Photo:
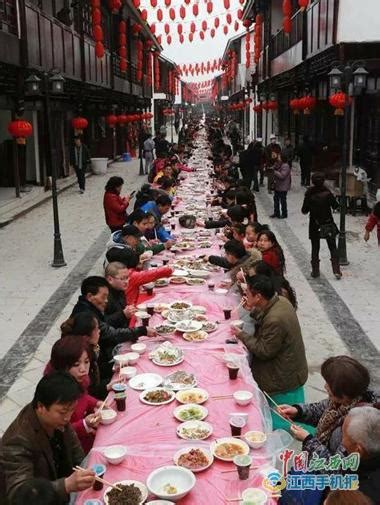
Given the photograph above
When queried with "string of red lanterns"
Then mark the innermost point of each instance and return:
(123, 46)
(97, 30)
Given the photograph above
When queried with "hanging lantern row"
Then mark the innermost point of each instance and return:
(168, 112)
(247, 50)
(123, 46)
(270, 105)
(20, 130)
(139, 59)
(79, 124)
(258, 37)
(287, 16)
(97, 30)
(202, 66)
(149, 69)
(304, 104)
(339, 101)
(157, 75)
(114, 5)
(258, 108)
(122, 119)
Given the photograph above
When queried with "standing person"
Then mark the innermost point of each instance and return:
(148, 153)
(282, 183)
(256, 161)
(318, 202)
(372, 222)
(277, 351)
(288, 150)
(40, 443)
(79, 159)
(305, 153)
(245, 170)
(271, 154)
(114, 205)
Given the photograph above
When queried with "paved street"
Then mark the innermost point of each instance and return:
(336, 316)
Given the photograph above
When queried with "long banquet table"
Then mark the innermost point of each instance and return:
(149, 432)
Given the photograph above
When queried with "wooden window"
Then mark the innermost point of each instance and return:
(8, 16)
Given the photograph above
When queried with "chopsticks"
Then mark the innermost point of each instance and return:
(99, 479)
(221, 397)
(243, 274)
(275, 411)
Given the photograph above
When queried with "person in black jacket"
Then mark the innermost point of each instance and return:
(79, 159)
(305, 154)
(94, 298)
(318, 202)
(117, 314)
(235, 254)
(254, 160)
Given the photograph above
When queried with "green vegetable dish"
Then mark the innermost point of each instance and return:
(191, 414)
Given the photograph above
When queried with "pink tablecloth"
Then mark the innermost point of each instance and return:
(149, 432)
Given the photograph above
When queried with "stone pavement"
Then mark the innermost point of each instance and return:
(30, 286)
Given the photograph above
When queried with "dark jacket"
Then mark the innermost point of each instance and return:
(369, 478)
(221, 261)
(288, 151)
(85, 156)
(109, 336)
(255, 156)
(278, 359)
(25, 453)
(114, 313)
(305, 152)
(318, 201)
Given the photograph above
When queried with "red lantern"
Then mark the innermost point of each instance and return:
(96, 16)
(210, 7)
(236, 26)
(187, 2)
(264, 106)
(182, 12)
(168, 3)
(303, 4)
(258, 108)
(225, 29)
(122, 39)
(144, 14)
(122, 119)
(20, 130)
(179, 28)
(99, 50)
(153, 28)
(308, 103)
(122, 27)
(287, 24)
(195, 10)
(287, 8)
(114, 5)
(136, 29)
(191, 37)
(295, 105)
(229, 18)
(97, 33)
(226, 4)
(338, 100)
(172, 13)
(111, 120)
(272, 105)
(212, 33)
(123, 65)
(153, 3)
(122, 52)
(159, 15)
(79, 123)
(202, 35)
(136, 3)
(204, 25)
(159, 39)
(167, 28)
(181, 39)
(169, 39)
(247, 23)
(192, 27)
(216, 22)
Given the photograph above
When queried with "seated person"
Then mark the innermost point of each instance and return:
(36, 492)
(40, 442)
(117, 314)
(166, 186)
(271, 251)
(235, 254)
(94, 299)
(166, 171)
(347, 383)
(159, 208)
(73, 354)
(145, 195)
(238, 232)
(145, 222)
(122, 243)
(252, 231)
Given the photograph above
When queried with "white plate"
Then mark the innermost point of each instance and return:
(199, 273)
(140, 485)
(188, 325)
(144, 381)
(172, 326)
(199, 309)
(188, 305)
(180, 273)
(202, 334)
(192, 425)
(195, 281)
(229, 440)
(201, 396)
(177, 411)
(161, 283)
(211, 329)
(206, 452)
(179, 386)
(179, 360)
(157, 404)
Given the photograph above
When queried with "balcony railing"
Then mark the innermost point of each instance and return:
(320, 26)
(281, 42)
(8, 16)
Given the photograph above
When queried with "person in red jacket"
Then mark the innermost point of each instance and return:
(271, 251)
(72, 354)
(373, 220)
(115, 206)
(138, 278)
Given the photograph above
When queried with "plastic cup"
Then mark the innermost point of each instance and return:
(233, 370)
(211, 286)
(99, 470)
(120, 396)
(145, 321)
(172, 226)
(165, 261)
(236, 426)
(149, 288)
(227, 313)
(150, 308)
(243, 464)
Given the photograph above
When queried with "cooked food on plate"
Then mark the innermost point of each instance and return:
(209, 326)
(181, 378)
(165, 329)
(194, 430)
(158, 396)
(229, 450)
(194, 281)
(178, 280)
(180, 305)
(170, 489)
(193, 460)
(192, 396)
(191, 413)
(195, 336)
(129, 495)
(161, 282)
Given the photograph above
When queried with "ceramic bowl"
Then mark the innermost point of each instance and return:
(132, 357)
(243, 397)
(255, 439)
(180, 480)
(139, 348)
(107, 416)
(115, 454)
(127, 372)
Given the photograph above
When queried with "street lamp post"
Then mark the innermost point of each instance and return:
(352, 79)
(171, 124)
(141, 143)
(53, 83)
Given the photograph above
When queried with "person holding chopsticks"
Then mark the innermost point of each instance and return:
(277, 351)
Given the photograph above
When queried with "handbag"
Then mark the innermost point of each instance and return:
(328, 230)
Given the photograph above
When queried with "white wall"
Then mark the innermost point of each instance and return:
(358, 21)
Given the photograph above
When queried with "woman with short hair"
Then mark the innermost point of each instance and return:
(115, 206)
